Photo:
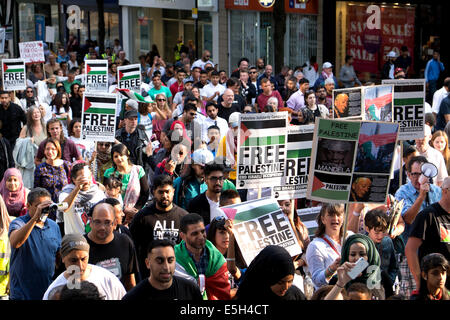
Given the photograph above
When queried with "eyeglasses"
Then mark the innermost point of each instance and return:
(29, 91)
(415, 174)
(106, 223)
(160, 99)
(101, 144)
(216, 179)
(253, 72)
(192, 114)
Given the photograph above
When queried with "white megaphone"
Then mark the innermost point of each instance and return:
(429, 170)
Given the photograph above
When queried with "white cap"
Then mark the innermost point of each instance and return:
(234, 119)
(327, 65)
(132, 103)
(391, 54)
(329, 81)
(202, 157)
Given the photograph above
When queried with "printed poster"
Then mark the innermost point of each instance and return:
(261, 149)
(98, 119)
(351, 161)
(32, 52)
(13, 74)
(409, 107)
(96, 75)
(309, 218)
(377, 103)
(129, 77)
(295, 180)
(260, 223)
(347, 103)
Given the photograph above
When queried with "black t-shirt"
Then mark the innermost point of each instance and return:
(118, 256)
(76, 104)
(432, 225)
(237, 106)
(181, 289)
(11, 121)
(150, 224)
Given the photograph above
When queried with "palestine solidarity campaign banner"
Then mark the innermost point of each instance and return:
(261, 149)
(351, 160)
(260, 223)
(98, 119)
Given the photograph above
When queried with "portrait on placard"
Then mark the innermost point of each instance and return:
(335, 155)
(369, 188)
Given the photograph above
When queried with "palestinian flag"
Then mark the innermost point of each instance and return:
(129, 72)
(217, 286)
(99, 104)
(331, 187)
(263, 132)
(13, 65)
(135, 96)
(96, 67)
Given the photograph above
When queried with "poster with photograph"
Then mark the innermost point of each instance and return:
(262, 151)
(295, 180)
(347, 103)
(309, 218)
(409, 107)
(351, 161)
(377, 103)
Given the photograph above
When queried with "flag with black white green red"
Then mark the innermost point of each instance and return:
(96, 72)
(295, 179)
(409, 107)
(262, 150)
(13, 74)
(129, 77)
(98, 119)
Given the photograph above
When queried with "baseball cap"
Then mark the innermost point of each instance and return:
(202, 157)
(391, 54)
(234, 119)
(327, 65)
(188, 80)
(130, 114)
(73, 241)
(132, 103)
(329, 81)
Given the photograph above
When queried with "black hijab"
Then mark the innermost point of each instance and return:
(271, 265)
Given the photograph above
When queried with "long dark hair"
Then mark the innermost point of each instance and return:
(71, 125)
(122, 150)
(57, 102)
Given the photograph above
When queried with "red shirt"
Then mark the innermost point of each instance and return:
(261, 100)
(174, 88)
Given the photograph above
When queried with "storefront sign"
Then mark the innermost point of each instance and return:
(290, 6)
(203, 5)
(13, 74)
(99, 117)
(32, 52)
(74, 19)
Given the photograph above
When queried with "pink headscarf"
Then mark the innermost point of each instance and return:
(14, 201)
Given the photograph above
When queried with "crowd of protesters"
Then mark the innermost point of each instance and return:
(139, 218)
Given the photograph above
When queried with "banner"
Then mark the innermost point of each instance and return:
(32, 52)
(13, 74)
(98, 119)
(347, 103)
(378, 103)
(351, 161)
(409, 107)
(308, 216)
(295, 179)
(129, 77)
(261, 149)
(96, 72)
(260, 223)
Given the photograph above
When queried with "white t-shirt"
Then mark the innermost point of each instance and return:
(221, 123)
(200, 63)
(213, 208)
(107, 283)
(209, 90)
(146, 122)
(438, 96)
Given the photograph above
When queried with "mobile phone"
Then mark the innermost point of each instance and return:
(359, 267)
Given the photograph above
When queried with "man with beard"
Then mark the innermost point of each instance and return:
(162, 284)
(208, 201)
(198, 260)
(108, 249)
(159, 220)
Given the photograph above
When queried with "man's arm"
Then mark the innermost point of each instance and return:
(70, 199)
(411, 248)
(129, 281)
(354, 219)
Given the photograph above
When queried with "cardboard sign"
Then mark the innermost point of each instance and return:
(351, 161)
(378, 103)
(32, 52)
(347, 103)
(96, 75)
(98, 119)
(308, 216)
(129, 77)
(13, 74)
(261, 149)
(295, 180)
(260, 223)
(409, 107)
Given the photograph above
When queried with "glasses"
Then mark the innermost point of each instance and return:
(160, 99)
(251, 72)
(29, 91)
(216, 179)
(192, 114)
(415, 174)
(101, 144)
(106, 223)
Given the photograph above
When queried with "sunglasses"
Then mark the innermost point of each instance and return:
(192, 114)
(252, 72)
(160, 99)
(103, 144)
(29, 91)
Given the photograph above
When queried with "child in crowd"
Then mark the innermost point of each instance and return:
(358, 291)
(434, 269)
(376, 223)
(113, 188)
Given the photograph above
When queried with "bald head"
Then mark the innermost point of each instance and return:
(103, 223)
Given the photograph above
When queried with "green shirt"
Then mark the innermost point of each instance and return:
(153, 92)
(125, 178)
(67, 84)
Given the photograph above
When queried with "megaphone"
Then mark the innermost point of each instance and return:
(429, 170)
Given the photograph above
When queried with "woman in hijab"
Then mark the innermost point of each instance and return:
(357, 246)
(269, 277)
(14, 193)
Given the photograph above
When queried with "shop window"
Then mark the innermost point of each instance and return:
(243, 36)
(302, 38)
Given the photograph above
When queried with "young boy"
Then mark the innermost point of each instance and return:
(358, 291)
(376, 224)
(113, 188)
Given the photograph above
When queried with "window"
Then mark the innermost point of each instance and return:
(302, 38)
(243, 36)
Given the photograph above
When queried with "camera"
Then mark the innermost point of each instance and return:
(53, 209)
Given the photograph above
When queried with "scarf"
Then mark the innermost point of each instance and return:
(14, 201)
(133, 189)
(103, 157)
(373, 258)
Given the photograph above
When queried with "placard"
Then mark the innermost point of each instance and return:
(409, 107)
(260, 223)
(347, 103)
(13, 74)
(295, 179)
(96, 75)
(261, 149)
(309, 218)
(129, 77)
(377, 103)
(98, 119)
(32, 52)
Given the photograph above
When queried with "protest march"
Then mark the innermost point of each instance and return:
(155, 180)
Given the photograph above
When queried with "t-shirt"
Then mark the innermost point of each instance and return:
(67, 84)
(145, 121)
(181, 289)
(85, 147)
(226, 112)
(150, 224)
(209, 90)
(107, 284)
(262, 99)
(118, 256)
(32, 265)
(444, 109)
(238, 100)
(432, 226)
(153, 92)
(125, 177)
